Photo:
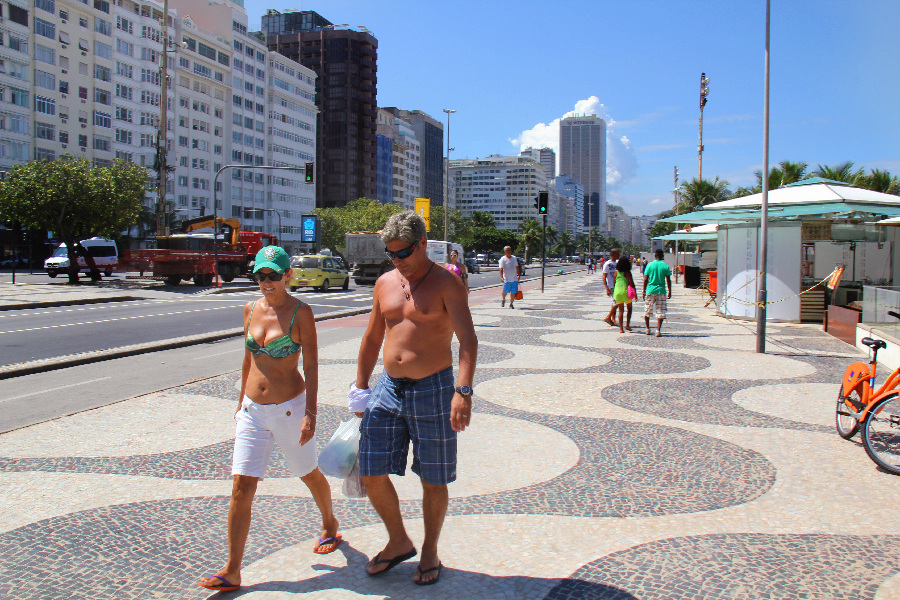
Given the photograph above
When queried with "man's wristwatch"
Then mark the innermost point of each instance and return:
(464, 390)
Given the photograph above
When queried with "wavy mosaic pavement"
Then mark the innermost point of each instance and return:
(599, 465)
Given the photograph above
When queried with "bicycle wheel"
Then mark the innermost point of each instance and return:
(846, 425)
(881, 434)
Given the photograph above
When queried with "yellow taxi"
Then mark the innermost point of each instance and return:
(318, 271)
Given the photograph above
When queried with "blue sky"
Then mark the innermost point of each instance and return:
(510, 69)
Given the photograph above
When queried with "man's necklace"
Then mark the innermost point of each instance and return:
(409, 293)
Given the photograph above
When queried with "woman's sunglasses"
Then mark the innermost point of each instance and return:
(273, 276)
(401, 254)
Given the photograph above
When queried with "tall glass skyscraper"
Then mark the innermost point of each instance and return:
(582, 155)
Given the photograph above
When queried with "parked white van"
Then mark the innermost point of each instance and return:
(104, 251)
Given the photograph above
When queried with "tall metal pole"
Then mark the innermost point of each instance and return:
(543, 247)
(704, 92)
(764, 225)
(162, 135)
(447, 191)
(675, 200)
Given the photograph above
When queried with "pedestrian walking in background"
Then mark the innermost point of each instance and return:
(609, 281)
(416, 310)
(277, 405)
(458, 268)
(509, 275)
(590, 266)
(622, 295)
(657, 276)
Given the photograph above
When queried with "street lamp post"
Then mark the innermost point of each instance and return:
(216, 208)
(704, 92)
(447, 191)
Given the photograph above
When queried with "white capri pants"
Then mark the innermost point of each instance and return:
(259, 426)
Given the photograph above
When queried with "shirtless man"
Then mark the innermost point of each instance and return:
(416, 309)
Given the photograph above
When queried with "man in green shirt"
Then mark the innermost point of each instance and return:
(657, 276)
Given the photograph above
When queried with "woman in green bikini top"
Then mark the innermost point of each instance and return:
(277, 405)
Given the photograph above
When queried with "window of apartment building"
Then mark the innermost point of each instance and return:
(123, 114)
(248, 103)
(248, 122)
(182, 161)
(44, 131)
(126, 156)
(44, 80)
(102, 50)
(83, 69)
(19, 44)
(123, 47)
(63, 87)
(102, 73)
(184, 63)
(126, 25)
(82, 92)
(237, 137)
(145, 140)
(217, 149)
(200, 145)
(223, 59)
(102, 6)
(44, 154)
(124, 91)
(182, 181)
(46, 5)
(45, 54)
(18, 15)
(236, 119)
(83, 22)
(123, 136)
(218, 112)
(64, 15)
(82, 140)
(217, 131)
(45, 29)
(63, 137)
(102, 96)
(239, 46)
(124, 69)
(102, 143)
(102, 26)
(102, 119)
(183, 141)
(44, 105)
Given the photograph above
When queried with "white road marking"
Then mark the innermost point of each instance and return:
(232, 351)
(168, 314)
(56, 389)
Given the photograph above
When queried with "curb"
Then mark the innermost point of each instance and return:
(73, 360)
(75, 302)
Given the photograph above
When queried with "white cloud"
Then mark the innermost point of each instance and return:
(621, 164)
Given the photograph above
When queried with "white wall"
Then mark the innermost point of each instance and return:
(737, 261)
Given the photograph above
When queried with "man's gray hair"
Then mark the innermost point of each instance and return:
(407, 226)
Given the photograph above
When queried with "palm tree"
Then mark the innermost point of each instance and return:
(529, 236)
(882, 181)
(695, 193)
(565, 242)
(550, 236)
(843, 172)
(482, 219)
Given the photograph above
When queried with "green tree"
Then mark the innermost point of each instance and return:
(551, 235)
(364, 214)
(481, 218)
(785, 173)
(882, 181)
(529, 237)
(491, 239)
(695, 193)
(565, 243)
(75, 200)
(843, 172)
(458, 226)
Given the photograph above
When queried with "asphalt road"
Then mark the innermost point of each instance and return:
(35, 334)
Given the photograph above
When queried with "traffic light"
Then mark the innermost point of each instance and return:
(543, 199)
(309, 170)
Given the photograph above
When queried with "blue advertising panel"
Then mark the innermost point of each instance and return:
(309, 228)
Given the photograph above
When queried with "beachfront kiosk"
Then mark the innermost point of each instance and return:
(815, 227)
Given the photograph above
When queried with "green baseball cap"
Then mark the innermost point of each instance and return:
(272, 257)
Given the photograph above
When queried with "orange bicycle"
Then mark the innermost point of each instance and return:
(876, 412)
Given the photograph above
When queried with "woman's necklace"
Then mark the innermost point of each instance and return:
(409, 293)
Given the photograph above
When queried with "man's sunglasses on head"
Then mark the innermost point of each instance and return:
(401, 254)
(273, 276)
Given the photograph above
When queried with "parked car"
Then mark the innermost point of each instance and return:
(318, 271)
(104, 252)
(472, 266)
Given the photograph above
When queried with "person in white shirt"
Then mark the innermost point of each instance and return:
(609, 280)
(509, 275)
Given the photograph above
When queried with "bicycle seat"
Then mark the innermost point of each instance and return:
(874, 344)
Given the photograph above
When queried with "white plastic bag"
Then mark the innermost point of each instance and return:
(353, 485)
(340, 452)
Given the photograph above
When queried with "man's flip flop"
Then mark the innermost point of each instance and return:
(225, 586)
(420, 573)
(391, 562)
(336, 540)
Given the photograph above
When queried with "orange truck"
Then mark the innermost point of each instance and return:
(192, 256)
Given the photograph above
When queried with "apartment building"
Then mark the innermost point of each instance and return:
(504, 186)
(582, 155)
(571, 205)
(406, 170)
(15, 84)
(98, 94)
